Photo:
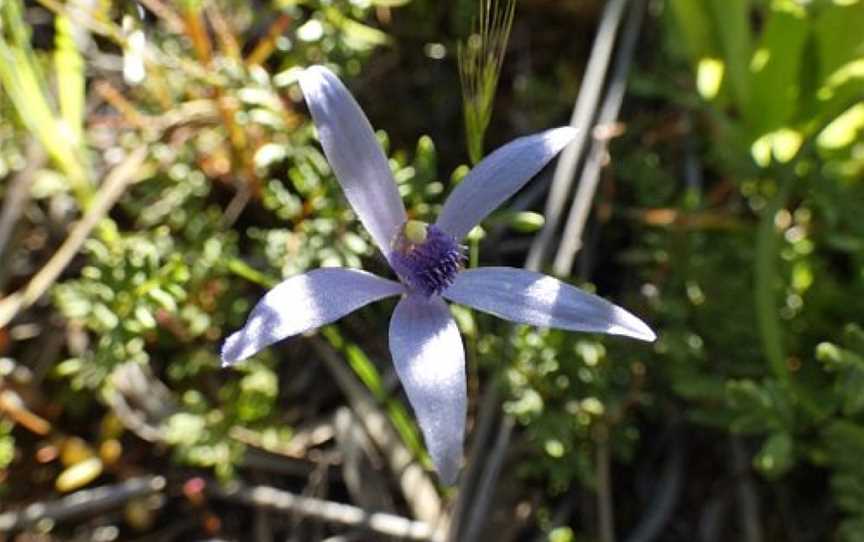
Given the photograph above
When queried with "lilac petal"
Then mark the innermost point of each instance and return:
(533, 298)
(354, 154)
(499, 176)
(430, 361)
(302, 303)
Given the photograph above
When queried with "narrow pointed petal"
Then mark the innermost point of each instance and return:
(430, 361)
(499, 176)
(532, 298)
(354, 154)
(302, 303)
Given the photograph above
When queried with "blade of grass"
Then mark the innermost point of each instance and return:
(69, 68)
(732, 24)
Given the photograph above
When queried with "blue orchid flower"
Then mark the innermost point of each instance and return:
(428, 261)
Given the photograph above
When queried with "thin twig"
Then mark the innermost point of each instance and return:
(236, 205)
(303, 438)
(486, 486)
(571, 240)
(605, 509)
(583, 114)
(713, 518)
(748, 500)
(13, 406)
(364, 482)
(474, 465)
(17, 193)
(141, 401)
(82, 503)
(334, 512)
(113, 187)
(664, 502)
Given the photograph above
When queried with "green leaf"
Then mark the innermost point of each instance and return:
(185, 428)
(760, 407)
(693, 20)
(843, 130)
(163, 298)
(839, 36)
(845, 444)
(731, 20)
(709, 77)
(776, 456)
(775, 68)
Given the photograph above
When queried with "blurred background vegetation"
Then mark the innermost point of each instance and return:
(158, 171)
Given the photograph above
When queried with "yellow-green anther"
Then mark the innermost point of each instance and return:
(415, 231)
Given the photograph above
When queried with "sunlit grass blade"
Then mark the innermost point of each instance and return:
(69, 68)
(480, 60)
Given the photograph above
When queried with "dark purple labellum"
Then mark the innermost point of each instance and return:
(430, 266)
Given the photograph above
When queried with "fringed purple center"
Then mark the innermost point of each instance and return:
(428, 267)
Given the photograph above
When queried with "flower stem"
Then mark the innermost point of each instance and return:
(474, 252)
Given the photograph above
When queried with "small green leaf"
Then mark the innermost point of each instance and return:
(365, 35)
(163, 298)
(776, 456)
(775, 71)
